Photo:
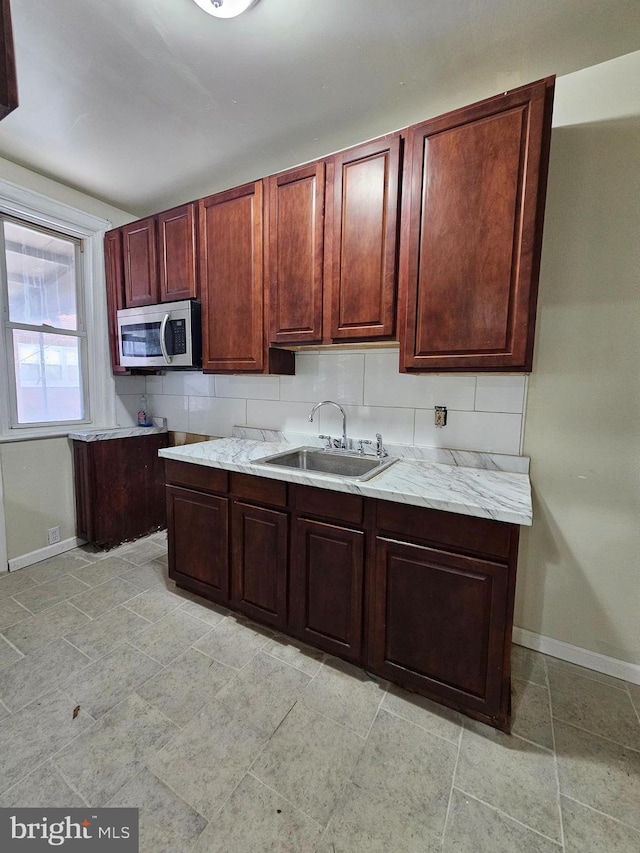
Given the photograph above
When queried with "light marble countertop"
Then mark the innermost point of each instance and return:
(117, 432)
(478, 491)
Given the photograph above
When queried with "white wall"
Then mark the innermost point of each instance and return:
(579, 571)
(484, 412)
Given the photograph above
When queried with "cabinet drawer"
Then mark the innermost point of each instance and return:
(259, 489)
(199, 477)
(336, 505)
(478, 535)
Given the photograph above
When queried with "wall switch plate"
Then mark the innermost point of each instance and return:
(440, 419)
(54, 535)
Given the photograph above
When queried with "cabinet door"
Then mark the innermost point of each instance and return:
(438, 623)
(140, 263)
(231, 273)
(326, 586)
(361, 241)
(83, 478)
(115, 293)
(8, 80)
(472, 230)
(177, 253)
(259, 563)
(198, 542)
(295, 246)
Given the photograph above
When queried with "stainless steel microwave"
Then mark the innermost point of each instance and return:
(166, 335)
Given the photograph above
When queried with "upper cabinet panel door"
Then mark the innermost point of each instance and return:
(295, 246)
(115, 293)
(177, 253)
(361, 240)
(231, 272)
(140, 263)
(472, 227)
(8, 80)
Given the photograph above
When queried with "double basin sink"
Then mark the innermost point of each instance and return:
(341, 463)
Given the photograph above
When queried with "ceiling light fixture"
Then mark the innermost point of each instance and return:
(226, 8)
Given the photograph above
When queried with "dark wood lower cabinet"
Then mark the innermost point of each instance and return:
(259, 560)
(119, 488)
(327, 573)
(199, 541)
(420, 597)
(438, 622)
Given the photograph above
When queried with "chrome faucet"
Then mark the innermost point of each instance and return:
(343, 440)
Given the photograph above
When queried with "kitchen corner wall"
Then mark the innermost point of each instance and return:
(484, 412)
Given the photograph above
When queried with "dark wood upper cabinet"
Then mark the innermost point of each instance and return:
(177, 253)
(231, 271)
(115, 293)
(361, 240)
(473, 203)
(8, 78)
(140, 263)
(295, 247)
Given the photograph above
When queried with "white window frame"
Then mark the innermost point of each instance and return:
(33, 208)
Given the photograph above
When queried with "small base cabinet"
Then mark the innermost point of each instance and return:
(420, 597)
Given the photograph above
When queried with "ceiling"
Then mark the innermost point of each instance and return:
(149, 103)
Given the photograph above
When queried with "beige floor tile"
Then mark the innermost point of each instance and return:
(517, 777)
(473, 827)
(437, 719)
(304, 658)
(367, 822)
(100, 636)
(184, 687)
(528, 665)
(7, 653)
(97, 600)
(11, 612)
(634, 690)
(345, 694)
(409, 766)
(207, 759)
(52, 624)
(263, 693)
(170, 636)
(208, 612)
(587, 831)
(103, 570)
(257, 819)
(597, 707)
(308, 761)
(166, 822)
(141, 551)
(56, 567)
(108, 681)
(33, 735)
(40, 671)
(154, 603)
(98, 763)
(41, 597)
(146, 576)
(557, 664)
(531, 712)
(44, 788)
(600, 773)
(234, 643)
(12, 582)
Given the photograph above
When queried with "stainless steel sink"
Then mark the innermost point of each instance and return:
(337, 462)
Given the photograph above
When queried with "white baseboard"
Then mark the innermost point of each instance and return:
(575, 654)
(44, 553)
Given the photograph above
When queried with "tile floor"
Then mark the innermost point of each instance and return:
(230, 738)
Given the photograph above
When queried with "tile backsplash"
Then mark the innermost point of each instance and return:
(485, 412)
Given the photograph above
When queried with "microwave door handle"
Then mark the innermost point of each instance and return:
(163, 343)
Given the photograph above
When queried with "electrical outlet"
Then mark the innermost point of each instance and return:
(54, 535)
(440, 418)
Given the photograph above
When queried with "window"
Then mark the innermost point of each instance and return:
(55, 369)
(45, 334)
